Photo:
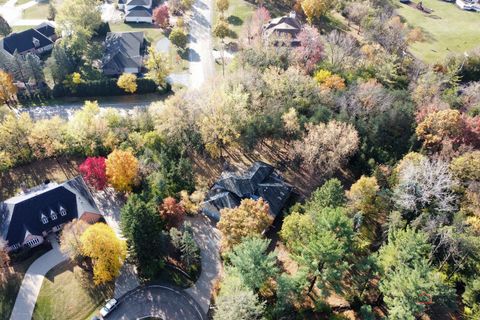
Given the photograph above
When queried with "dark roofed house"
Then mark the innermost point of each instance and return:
(288, 26)
(260, 180)
(26, 219)
(37, 40)
(123, 53)
(139, 14)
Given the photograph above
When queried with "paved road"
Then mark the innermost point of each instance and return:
(202, 65)
(32, 283)
(157, 301)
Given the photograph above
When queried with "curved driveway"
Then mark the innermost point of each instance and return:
(157, 301)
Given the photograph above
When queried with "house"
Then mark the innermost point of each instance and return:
(286, 26)
(130, 4)
(123, 53)
(37, 40)
(139, 14)
(259, 181)
(26, 219)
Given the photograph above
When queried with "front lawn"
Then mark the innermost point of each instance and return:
(237, 15)
(67, 293)
(9, 289)
(447, 29)
(152, 32)
(38, 11)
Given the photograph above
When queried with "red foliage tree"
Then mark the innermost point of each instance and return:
(472, 130)
(93, 170)
(172, 212)
(161, 16)
(310, 51)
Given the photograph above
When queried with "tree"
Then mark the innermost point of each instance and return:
(172, 212)
(4, 262)
(310, 51)
(250, 218)
(316, 8)
(157, 65)
(330, 194)
(290, 121)
(8, 90)
(70, 239)
(467, 167)
(34, 68)
(14, 131)
(222, 6)
(122, 170)
(239, 305)
(127, 82)
(5, 28)
(408, 281)
(62, 62)
(441, 126)
(328, 80)
(190, 252)
(143, 228)
(93, 170)
(52, 12)
(326, 147)
(178, 37)
(250, 260)
(161, 16)
(48, 137)
(101, 244)
(221, 29)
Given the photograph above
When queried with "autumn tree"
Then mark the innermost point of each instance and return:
(5, 28)
(328, 80)
(70, 239)
(100, 243)
(14, 131)
(178, 37)
(122, 170)
(310, 51)
(221, 29)
(441, 126)
(8, 90)
(250, 218)
(467, 167)
(161, 16)
(314, 9)
(93, 170)
(4, 262)
(157, 65)
(326, 147)
(241, 304)
(48, 137)
(250, 260)
(172, 212)
(222, 6)
(291, 122)
(127, 82)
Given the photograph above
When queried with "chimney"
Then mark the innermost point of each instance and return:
(292, 14)
(36, 42)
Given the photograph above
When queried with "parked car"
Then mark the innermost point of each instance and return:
(109, 306)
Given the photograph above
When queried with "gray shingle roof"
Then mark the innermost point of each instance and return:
(140, 12)
(122, 50)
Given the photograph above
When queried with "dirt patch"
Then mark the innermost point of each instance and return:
(28, 176)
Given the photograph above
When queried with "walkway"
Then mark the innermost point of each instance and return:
(32, 282)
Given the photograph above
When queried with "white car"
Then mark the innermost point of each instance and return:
(109, 306)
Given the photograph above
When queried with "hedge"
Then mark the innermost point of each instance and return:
(104, 88)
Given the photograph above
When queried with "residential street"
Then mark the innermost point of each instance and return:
(32, 282)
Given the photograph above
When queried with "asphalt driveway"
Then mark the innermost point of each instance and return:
(157, 301)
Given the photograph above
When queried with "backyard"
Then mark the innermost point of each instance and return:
(68, 293)
(447, 29)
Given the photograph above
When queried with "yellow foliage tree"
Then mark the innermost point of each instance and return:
(127, 82)
(7, 88)
(440, 126)
(122, 169)
(157, 65)
(107, 251)
(328, 80)
(250, 218)
(316, 8)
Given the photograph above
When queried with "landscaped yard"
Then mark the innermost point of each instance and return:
(447, 29)
(9, 290)
(63, 296)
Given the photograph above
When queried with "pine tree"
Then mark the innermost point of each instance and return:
(5, 28)
(34, 68)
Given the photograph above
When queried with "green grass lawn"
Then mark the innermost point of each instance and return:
(9, 289)
(63, 296)
(152, 32)
(237, 15)
(21, 28)
(447, 29)
(39, 11)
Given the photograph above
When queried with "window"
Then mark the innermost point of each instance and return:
(63, 212)
(15, 246)
(53, 215)
(44, 219)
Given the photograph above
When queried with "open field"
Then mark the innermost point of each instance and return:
(447, 29)
(64, 295)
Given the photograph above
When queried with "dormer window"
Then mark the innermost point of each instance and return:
(53, 215)
(36, 42)
(63, 212)
(44, 219)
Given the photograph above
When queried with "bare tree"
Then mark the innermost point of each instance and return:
(341, 50)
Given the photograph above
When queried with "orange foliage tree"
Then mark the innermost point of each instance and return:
(172, 212)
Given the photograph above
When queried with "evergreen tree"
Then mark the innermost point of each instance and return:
(34, 68)
(5, 28)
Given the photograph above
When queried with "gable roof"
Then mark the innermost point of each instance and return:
(260, 180)
(139, 3)
(46, 28)
(24, 41)
(139, 11)
(122, 50)
(22, 215)
(283, 25)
